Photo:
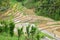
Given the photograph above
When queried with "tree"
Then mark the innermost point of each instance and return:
(50, 8)
(47, 8)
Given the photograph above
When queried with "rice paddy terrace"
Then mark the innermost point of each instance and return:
(27, 15)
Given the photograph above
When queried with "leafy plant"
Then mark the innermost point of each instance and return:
(20, 32)
(39, 35)
(1, 29)
(11, 27)
(4, 25)
(33, 31)
(27, 30)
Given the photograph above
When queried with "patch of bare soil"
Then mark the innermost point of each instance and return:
(58, 29)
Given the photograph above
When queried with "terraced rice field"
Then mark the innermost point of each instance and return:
(43, 23)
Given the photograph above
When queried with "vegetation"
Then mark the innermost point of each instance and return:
(20, 33)
(47, 8)
(19, 0)
(32, 33)
(11, 26)
(50, 8)
(3, 26)
(4, 5)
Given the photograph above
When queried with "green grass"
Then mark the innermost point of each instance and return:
(5, 36)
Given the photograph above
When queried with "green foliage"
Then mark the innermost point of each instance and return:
(33, 30)
(39, 35)
(19, 0)
(20, 32)
(33, 34)
(11, 25)
(28, 3)
(4, 5)
(4, 26)
(27, 30)
(1, 29)
(47, 8)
